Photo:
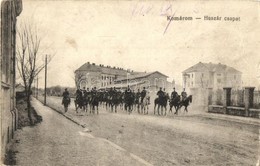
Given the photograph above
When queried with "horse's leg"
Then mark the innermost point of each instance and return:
(154, 109)
(97, 109)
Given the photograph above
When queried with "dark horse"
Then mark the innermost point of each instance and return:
(114, 101)
(78, 102)
(94, 102)
(161, 102)
(184, 103)
(175, 103)
(129, 99)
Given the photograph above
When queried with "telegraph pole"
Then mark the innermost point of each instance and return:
(45, 86)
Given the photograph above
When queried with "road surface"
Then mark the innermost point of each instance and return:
(149, 139)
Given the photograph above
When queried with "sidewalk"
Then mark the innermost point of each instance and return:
(58, 141)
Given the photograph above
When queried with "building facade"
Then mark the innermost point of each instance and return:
(103, 77)
(204, 79)
(10, 9)
(209, 75)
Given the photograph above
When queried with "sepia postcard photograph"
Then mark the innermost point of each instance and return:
(130, 82)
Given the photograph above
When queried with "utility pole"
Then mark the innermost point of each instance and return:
(45, 86)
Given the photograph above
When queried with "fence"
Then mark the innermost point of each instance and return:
(237, 98)
(244, 102)
(256, 100)
(216, 97)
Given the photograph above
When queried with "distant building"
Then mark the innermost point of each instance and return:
(210, 75)
(10, 9)
(152, 80)
(90, 75)
(100, 76)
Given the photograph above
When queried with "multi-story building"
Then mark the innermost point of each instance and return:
(10, 9)
(90, 75)
(102, 77)
(210, 75)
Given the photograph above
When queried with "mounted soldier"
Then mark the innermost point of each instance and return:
(143, 94)
(79, 99)
(94, 91)
(129, 99)
(66, 99)
(183, 94)
(160, 93)
(174, 94)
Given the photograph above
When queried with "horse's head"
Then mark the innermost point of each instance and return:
(190, 98)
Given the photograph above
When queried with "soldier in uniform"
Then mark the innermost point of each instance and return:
(79, 96)
(183, 94)
(174, 94)
(94, 91)
(84, 97)
(84, 93)
(114, 91)
(138, 93)
(143, 94)
(111, 92)
(66, 99)
(160, 93)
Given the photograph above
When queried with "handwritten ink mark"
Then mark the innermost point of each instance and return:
(169, 23)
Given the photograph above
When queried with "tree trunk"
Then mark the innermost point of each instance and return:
(29, 107)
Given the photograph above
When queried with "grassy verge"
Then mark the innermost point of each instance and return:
(23, 121)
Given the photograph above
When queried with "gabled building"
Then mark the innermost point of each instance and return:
(210, 75)
(152, 80)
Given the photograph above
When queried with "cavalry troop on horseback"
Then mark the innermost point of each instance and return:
(127, 100)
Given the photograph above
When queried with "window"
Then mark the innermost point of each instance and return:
(218, 74)
(235, 77)
(202, 74)
(219, 80)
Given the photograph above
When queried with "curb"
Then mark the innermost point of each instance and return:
(247, 121)
(67, 117)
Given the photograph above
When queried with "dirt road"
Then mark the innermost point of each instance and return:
(174, 140)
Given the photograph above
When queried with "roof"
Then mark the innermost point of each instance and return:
(211, 67)
(140, 75)
(124, 85)
(19, 88)
(104, 69)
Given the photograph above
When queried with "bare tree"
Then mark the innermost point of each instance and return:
(28, 53)
(78, 78)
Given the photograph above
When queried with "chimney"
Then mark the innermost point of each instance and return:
(93, 64)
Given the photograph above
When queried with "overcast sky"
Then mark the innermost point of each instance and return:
(130, 34)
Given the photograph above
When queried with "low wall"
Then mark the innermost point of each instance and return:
(237, 111)
(255, 113)
(216, 109)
